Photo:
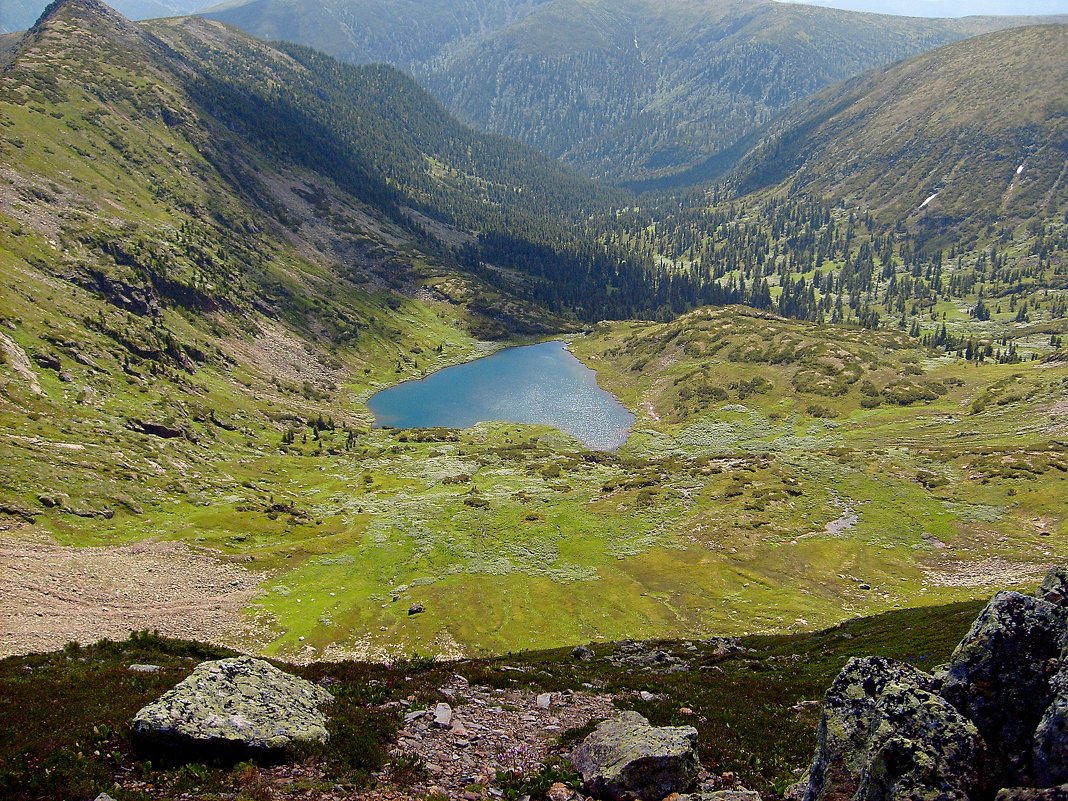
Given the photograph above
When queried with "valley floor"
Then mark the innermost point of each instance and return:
(781, 477)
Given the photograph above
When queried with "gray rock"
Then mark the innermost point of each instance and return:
(143, 668)
(103, 797)
(1034, 794)
(415, 609)
(443, 716)
(233, 708)
(1054, 587)
(999, 677)
(625, 758)
(1051, 736)
(544, 701)
(724, 646)
(721, 795)
(648, 656)
(885, 735)
(582, 653)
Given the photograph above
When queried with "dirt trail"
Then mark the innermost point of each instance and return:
(50, 594)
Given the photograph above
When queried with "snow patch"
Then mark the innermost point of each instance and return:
(928, 201)
(1020, 169)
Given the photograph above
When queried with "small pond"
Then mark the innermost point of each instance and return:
(540, 384)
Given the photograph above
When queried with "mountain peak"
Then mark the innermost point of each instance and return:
(94, 21)
(59, 9)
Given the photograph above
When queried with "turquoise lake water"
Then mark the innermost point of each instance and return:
(542, 384)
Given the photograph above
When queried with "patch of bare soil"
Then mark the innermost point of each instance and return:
(50, 595)
(488, 731)
(991, 572)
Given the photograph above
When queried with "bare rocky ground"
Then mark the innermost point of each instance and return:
(452, 750)
(485, 731)
(50, 595)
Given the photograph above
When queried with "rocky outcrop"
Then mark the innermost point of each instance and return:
(1054, 587)
(625, 759)
(886, 734)
(233, 708)
(1034, 794)
(157, 429)
(1000, 678)
(995, 717)
(1051, 737)
(647, 656)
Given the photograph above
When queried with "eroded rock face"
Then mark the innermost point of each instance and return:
(625, 758)
(1000, 678)
(233, 708)
(1051, 736)
(886, 734)
(1054, 587)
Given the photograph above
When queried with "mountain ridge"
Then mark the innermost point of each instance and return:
(635, 92)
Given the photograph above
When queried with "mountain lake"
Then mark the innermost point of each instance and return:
(540, 384)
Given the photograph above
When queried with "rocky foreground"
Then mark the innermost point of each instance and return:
(991, 723)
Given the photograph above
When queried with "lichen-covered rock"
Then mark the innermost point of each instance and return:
(1051, 736)
(999, 677)
(1034, 794)
(721, 795)
(625, 758)
(886, 735)
(1054, 587)
(233, 708)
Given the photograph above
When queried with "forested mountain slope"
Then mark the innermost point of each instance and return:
(400, 32)
(214, 250)
(970, 135)
(636, 91)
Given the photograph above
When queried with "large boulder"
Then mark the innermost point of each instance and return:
(233, 708)
(999, 677)
(886, 734)
(625, 758)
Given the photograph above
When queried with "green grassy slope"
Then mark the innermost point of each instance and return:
(966, 136)
(174, 265)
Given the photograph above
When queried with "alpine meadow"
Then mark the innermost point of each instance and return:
(397, 404)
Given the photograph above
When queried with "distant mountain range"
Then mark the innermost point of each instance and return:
(650, 93)
(971, 134)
